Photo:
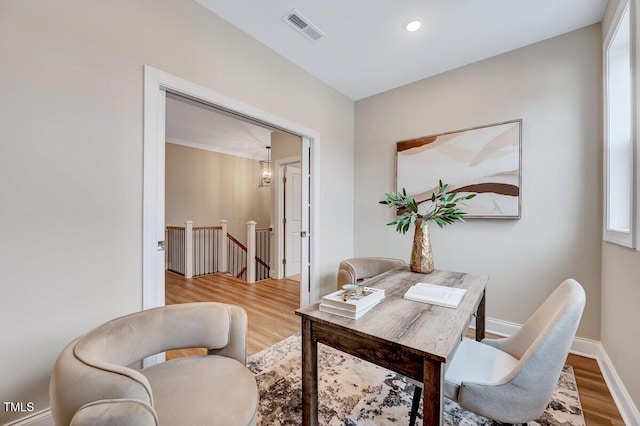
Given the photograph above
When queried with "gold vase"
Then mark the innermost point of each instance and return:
(421, 255)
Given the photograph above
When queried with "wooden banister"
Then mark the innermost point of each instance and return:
(238, 243)
(242, 271)
(262, 262)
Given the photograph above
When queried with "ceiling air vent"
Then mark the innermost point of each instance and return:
(302, 25)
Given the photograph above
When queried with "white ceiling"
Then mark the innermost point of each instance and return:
(367, 50)
(195, 125)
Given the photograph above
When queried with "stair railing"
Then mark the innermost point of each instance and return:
(194, 251)
(175, 244)
(237, 258)
(263, 253)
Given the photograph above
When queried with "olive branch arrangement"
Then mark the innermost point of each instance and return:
(443, 209)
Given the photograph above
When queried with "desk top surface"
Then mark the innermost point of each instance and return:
(427, 330)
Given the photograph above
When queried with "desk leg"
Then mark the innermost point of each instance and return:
(433, 396)
(480, 319)
(309, 376)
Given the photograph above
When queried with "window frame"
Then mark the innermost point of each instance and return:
(623, 238)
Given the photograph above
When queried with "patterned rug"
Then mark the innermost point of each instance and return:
(354, 392)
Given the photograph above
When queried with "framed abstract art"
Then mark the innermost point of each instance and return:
(483, 160)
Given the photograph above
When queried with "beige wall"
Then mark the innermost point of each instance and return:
(620, 295)
(284, 146)
(206, 187)
(71, 125)
(620, 313)
(554, 86)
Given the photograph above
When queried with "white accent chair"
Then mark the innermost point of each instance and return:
(512, 380)
(94, 384)
(356, 270)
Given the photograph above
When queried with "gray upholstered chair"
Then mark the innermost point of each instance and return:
(94, 384)
(352, 271)
(512, 380)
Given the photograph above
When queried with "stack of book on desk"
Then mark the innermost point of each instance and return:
(351, 304)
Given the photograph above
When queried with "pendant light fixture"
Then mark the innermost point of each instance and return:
(265, 170)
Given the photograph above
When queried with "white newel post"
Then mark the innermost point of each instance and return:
(188, 249)
(251, 251)
(224, 247)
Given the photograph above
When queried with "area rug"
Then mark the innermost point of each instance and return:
(355, 392)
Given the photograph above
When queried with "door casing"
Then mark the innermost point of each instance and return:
(156, 84)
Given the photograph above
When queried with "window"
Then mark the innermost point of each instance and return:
(619, 135)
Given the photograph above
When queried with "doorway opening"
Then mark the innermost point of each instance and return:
(220, 192)
(157, 85)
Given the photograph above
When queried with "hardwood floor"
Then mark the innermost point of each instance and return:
(270, 306)
(597, 404)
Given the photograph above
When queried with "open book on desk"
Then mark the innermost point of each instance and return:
(449, 297)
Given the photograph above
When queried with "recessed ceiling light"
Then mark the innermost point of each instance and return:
(413, 25)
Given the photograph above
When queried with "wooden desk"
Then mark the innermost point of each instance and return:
(414, 339)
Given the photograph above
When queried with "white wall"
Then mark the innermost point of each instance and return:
(620, 295)
(555, 87)
(206, 187)
(71, 125)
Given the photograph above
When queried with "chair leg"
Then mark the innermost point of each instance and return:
(414, 405)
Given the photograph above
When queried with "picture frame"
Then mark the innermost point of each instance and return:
(484, 160)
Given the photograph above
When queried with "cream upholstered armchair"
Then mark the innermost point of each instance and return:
(511, 380)
(351, 271)
(93, 383)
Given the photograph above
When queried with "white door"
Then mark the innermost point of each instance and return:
(293, 217)
(309, 192)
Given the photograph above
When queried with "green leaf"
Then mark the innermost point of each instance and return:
(443, 208)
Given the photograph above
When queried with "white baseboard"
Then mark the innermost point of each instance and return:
(41, 418)
(628, 410)
(501, 328)
(590, 349)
